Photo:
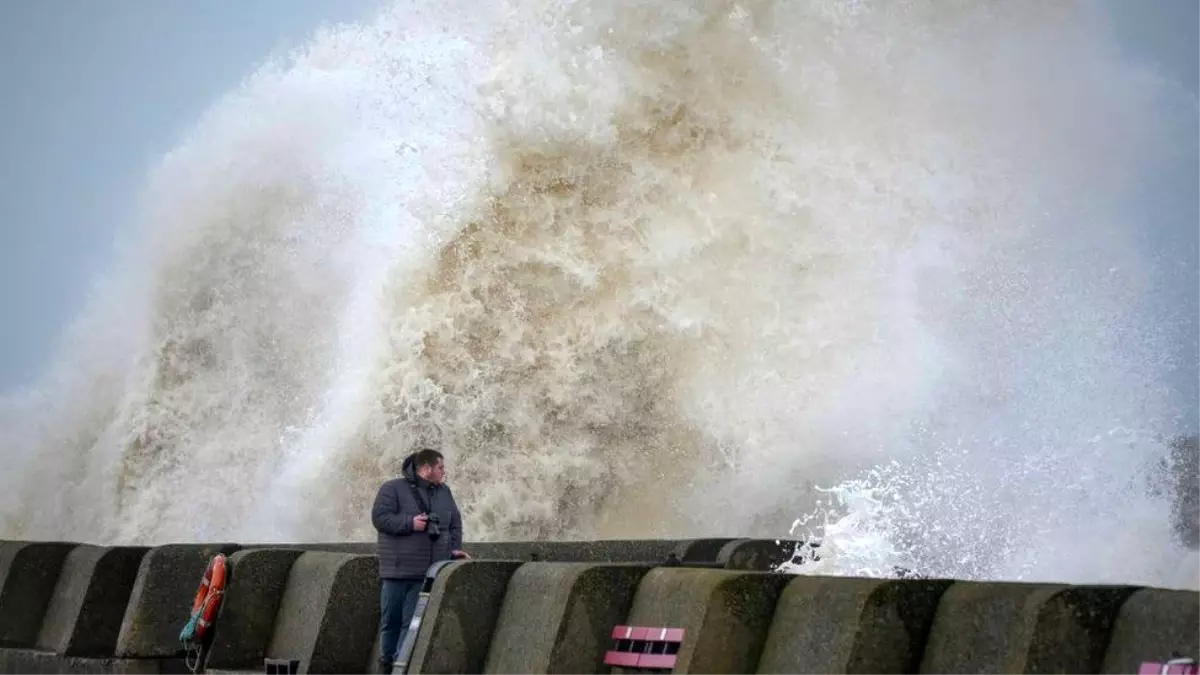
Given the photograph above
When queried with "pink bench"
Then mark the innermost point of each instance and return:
(1172, 667)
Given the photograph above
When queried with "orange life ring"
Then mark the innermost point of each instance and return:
(208, 596)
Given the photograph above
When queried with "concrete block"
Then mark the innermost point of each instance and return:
(503, 550)
(246, 622)
(89, 601)
(756, 555)
(161, 600)
(329, 613)
(557, 617)
(1021, 628)
(701, 550)
(1152, 624)
(609, 550)
(725, 614)
(464, 605)
(29, 572)
(40, 661)
(843, 625)
(356, 547)
(605, 550)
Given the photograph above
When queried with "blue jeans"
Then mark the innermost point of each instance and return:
(398, 602)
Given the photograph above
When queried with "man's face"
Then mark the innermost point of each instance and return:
(435, 474)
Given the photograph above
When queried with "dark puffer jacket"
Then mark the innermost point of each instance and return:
(403, 553)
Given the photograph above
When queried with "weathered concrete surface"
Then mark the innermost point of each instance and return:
(89, 601)
(498, 616)
(37, 661)
(701, 550)
(611, 550)
(358, 547)
(29, 572)
(464, 605)
(756, 555)
(605, 550)
(329, 613)
(840, 625)
(161, 600)
(557, 617)
(257, 582)
(1021, 628)
(725, 614)
(1151, 625)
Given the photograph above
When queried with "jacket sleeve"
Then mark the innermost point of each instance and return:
(387, 515)
(455, 528)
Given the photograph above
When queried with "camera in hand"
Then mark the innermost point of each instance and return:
(433, 526)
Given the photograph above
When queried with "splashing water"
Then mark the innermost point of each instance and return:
(641, 270)
(1007, 524)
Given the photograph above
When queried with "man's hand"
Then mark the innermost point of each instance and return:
(419, 523)
(459, 555)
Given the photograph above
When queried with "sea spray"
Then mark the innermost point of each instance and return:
(640, 270)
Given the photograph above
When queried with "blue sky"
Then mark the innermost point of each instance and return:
(96, 92)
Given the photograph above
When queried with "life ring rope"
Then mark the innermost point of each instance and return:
(204, 611)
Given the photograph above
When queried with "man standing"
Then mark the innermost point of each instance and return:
(418, 524)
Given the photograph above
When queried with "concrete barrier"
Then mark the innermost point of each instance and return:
(161, 599)
(701, 550)
(84, 616)
(356, 547)
(456, 632)
(329, 612)
(38, 661)
(605, 550)
(80, 608)
(1022, 628)
(29, 572)
(839, 625)
(246, 622)
(725, 614)
(1151, 625)
(557, 617)
(757, 555)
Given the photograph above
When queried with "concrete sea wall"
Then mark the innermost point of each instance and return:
(549, 607)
